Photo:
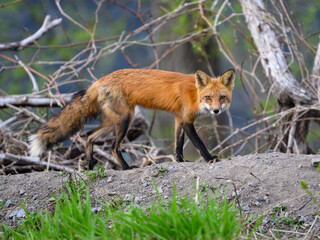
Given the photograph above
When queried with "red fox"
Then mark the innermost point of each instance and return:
(116, 94)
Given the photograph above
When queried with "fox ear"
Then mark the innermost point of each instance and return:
(202, 79)
(228, 78)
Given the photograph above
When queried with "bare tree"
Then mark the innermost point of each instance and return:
(288, 91)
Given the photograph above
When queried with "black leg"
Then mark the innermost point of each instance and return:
(92, 135)
(195, 139)
(179, 143)
(121, 131)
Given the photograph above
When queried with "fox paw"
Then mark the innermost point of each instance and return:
(214, 159)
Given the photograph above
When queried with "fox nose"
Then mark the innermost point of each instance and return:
(216, 111)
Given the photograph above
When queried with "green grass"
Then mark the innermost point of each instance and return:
(212, 217)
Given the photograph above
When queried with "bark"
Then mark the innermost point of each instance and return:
(286, 89)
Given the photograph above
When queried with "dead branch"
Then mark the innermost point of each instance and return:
(272, 57)
(32, 160)
(315, 77)
(46, 26)
(29, 100)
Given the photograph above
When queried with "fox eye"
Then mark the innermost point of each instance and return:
(207, 97)
(222, 97)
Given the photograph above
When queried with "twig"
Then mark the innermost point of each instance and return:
(10, 3)
(311, 237)
(33, 80)
(46, 26)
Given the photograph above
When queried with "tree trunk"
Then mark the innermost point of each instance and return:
(286, 89)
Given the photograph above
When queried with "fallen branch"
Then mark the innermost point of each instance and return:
(34, 100)
(46, 26)
(33, 160)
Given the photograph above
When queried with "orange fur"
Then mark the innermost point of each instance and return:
(116, 95)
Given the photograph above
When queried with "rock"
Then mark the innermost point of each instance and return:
(171, 169)
(234, 194)
(245, 208)
(34, 197)
(96, 209)
(21, 192)
(258, 204)
(17, 213)
(10, 203)
(127, 198)
(109, 179)
(138, 200)
(260, 199)
(158, 191)
(252, 184)
(303, 219)
(144, 182)
(270, 151)
(315, 162)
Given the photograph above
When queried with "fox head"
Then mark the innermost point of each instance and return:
(214, 94)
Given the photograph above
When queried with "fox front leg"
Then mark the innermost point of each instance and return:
(197, 142)
(179, 141)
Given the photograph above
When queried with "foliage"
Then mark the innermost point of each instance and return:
(178, 218)
(98, 173)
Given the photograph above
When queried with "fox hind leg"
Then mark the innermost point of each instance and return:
(121, 129)
(92, 135)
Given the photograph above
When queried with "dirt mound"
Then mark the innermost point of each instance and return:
(266, 183)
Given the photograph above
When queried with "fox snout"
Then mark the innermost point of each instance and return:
(212, 110)
(215, 111)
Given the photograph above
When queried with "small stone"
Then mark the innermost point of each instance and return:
(252, 184)
(234, 194)
(138, 200)
(303, 219)
(300, 166)
(96, 209)
(21, 192)
(144, 182)
(158, 190)
(270, 151)
(165, 182)
(10, 203)
(245, 208)
(127, 197)
(109, 179)
(259, 199)
(315, 162)
(258, 204)
(17, 213)
(171, 169)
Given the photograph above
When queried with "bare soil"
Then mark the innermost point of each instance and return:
(260, 183)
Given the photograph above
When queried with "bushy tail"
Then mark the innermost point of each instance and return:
(66, 123)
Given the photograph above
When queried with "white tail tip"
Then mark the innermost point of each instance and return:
(36, 147)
